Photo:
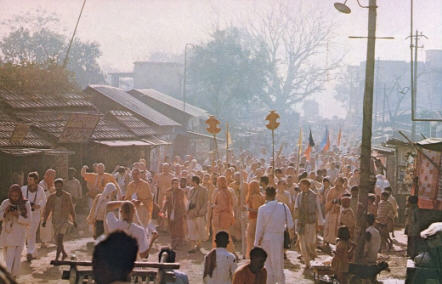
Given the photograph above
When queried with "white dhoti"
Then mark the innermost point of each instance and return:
(197, 229)
(12, 255)
(274, 246)
(307, 243)
(47, 232)
(331, 227)
(31, 232)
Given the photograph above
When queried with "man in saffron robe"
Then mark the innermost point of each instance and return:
(175, 208)
(223, 217)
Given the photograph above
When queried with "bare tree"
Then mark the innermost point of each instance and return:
(296, 41)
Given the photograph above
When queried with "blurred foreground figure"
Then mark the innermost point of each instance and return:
(167, 255)
(254, 272)
(111, 263)
(219, 264)
(16, 216)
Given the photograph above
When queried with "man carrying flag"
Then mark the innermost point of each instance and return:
(310, 146)
(325, 143)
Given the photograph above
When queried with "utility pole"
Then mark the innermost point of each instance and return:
(184, 91)
(366, 179)
(413, 123)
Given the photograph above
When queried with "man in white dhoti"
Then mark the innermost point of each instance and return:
(196, 213)
(37, 198)
(273, 218)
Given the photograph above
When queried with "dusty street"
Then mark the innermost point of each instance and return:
(40, 271)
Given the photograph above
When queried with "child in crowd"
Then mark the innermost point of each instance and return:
(343, 255)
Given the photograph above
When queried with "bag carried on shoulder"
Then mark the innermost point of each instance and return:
(287, 241)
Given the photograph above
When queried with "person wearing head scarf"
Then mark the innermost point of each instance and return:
(254, 200)
(16, 216)
(47, 183)
(98, 211)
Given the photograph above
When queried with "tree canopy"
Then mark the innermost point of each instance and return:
(23, 47)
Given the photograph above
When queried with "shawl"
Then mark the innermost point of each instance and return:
(21, 202)
(210, 263)
(105, 197)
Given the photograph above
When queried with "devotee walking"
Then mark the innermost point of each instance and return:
(141, 189)
(175, 209)
(219, 264)
(196, 214)
(60, 207)
(254, 200)
(72, 185)
(37, 198)
(47, 183)
(308, 214)
(223, 217)
(96, 181)
(273, 218)
(16, 216)
(332, 209)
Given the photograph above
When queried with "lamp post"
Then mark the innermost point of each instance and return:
(366, 178)
(186, 46)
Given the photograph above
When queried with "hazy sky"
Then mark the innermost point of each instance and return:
(130, 30)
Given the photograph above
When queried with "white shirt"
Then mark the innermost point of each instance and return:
(372, 247)
(225, 267)
(133, 230)
(273, 217)
(37, 197)
(14, 230)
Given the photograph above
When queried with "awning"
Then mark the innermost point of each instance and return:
(382, 149)
(144, 142)
(203, 136)
(122, 143)
(21, 152)
(433, 144)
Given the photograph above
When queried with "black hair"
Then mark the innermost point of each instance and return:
(109, 256)
(264, 179)
(196, 179)
(222, 239)
(257, 252)
(34, 175)
(388, 188)
(355, 188)
(343, 233)
(370, 219)
(270, 191)
(58, 180)
(278, 171)
(170, 255)
(413, 199)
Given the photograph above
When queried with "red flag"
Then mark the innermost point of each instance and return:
(311, 143)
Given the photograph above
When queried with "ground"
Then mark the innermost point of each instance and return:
(40, 271)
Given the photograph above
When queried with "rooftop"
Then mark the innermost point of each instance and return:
(7, 126)
(171, 102)
(124, 99)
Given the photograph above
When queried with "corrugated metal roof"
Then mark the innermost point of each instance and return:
(434, 144)
(137, 126)
(151, 141)
(17, 101)
(133, 104)
(53, 122)
(171, 102)
(7, 126)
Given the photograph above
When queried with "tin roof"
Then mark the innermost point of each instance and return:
(151, 141)
(171, 102)
(129, 102)
(135, 125)
(54, 122)
(7, 126)
(434, 144)
(37, 101)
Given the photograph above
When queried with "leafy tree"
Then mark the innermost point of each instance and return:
(227, 74)
(42, 46)
(30, 79)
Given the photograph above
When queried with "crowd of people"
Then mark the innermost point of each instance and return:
(265, 207)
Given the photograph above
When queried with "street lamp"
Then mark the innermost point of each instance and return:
(366, 182)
